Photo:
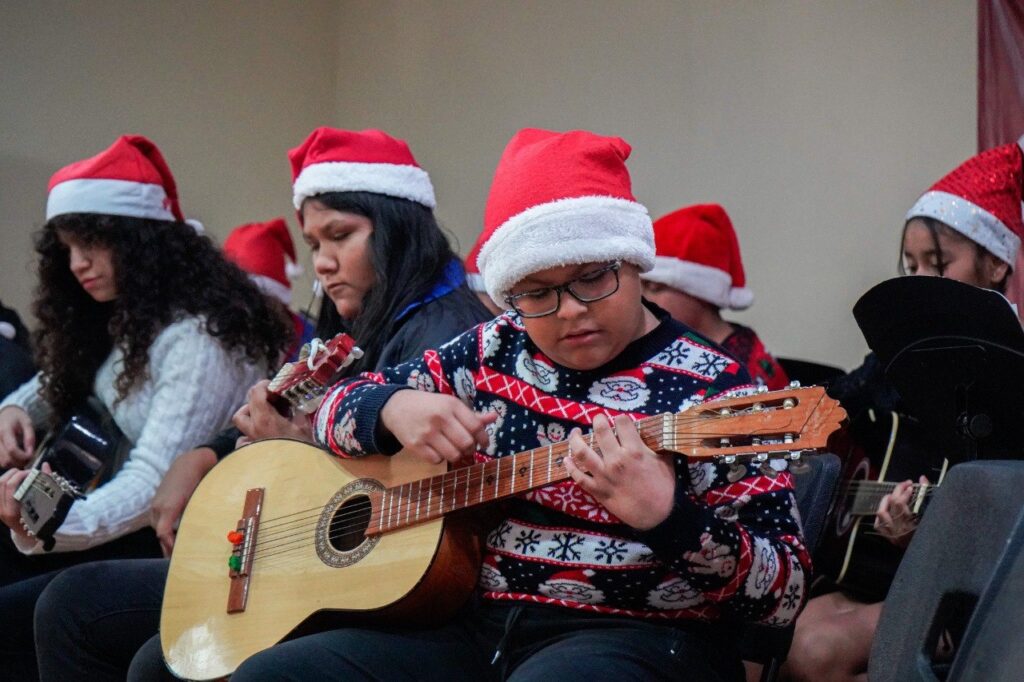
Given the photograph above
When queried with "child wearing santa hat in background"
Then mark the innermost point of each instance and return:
(698, 271)
(966, 227)
(623, 569)
(266, 251)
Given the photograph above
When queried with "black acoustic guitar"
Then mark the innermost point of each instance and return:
(79, 456)
(854, 556)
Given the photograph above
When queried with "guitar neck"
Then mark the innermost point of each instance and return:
(865, 496)
(431, 498)
(759, 427)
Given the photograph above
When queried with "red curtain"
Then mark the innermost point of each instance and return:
(1001, 92)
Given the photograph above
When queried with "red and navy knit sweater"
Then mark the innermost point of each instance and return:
(726, 548)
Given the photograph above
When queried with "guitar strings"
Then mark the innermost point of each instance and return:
(298, 540)
(288, 525)
(648, 427)
(438, 485)
(404, 505)
(885, 484)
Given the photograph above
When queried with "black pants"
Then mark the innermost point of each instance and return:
(23, 579)
(91, 619)
(496, 641)
(95, 638)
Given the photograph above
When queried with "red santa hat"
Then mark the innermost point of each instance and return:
(981, 199)
(561, 199)
(474, 279)
(129, 178)
(332, 160)
(699, 254)
(265, 251)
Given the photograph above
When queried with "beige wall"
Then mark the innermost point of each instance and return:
(815, 123)
(225, 88)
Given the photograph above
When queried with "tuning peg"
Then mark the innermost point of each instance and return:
(794, 384)
(736, 470)
(766, 469)
(761, 388)
(797, 464)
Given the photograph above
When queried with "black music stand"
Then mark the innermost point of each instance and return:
(955, 354)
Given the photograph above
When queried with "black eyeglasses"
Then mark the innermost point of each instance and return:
(587, 288)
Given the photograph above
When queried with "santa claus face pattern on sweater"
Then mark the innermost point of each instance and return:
(727, 546)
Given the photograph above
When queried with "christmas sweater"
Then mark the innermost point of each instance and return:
(745, 345)
(727, 548)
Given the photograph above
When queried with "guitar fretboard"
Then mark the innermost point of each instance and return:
(431, 498)
(866, 496)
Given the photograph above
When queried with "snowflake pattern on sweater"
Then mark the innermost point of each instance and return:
(726, 548)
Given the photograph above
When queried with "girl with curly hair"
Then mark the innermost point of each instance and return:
(139, 310)
(390, 279)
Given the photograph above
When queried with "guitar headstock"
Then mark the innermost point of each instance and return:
(302, 383)
(765, 425)
(46, 498)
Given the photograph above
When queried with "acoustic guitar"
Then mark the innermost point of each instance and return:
(312, 537)
(854, 555)
(84, 453)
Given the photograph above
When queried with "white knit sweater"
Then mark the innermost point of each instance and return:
(194, 388)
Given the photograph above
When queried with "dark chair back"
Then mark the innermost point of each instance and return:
(945, 571)
(815, 491)
(809, 373)
(993, 647)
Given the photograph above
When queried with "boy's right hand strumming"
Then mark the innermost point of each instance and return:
(435, 427)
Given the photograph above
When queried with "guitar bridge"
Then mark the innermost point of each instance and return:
(243, 540)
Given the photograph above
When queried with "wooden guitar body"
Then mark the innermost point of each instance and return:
(281, 534)
(430, 567)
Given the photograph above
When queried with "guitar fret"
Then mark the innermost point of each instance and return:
(452, 482)
(419, 498)
(408, 505)
(380, 515)
(440, 493)
(497, 480)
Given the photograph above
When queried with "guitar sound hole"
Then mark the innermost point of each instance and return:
(349, 523)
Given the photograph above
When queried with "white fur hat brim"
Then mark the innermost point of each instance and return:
(396, 180)
(970, 220)
(592, 229)
(701, 281)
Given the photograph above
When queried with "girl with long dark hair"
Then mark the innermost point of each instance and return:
(389, 278)
(139, 310)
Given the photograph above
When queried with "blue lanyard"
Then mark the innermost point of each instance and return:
(451, 279)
